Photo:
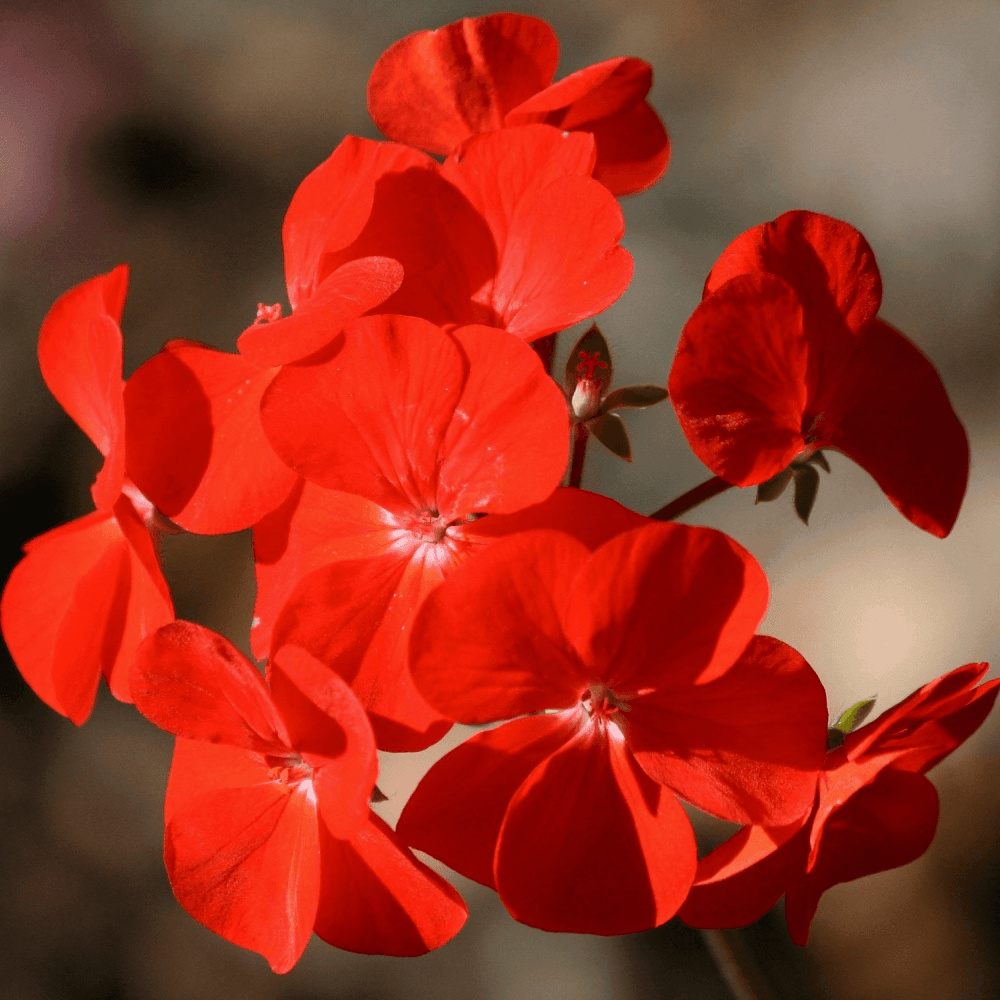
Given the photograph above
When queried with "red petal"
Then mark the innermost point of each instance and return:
(63, 609)
(888, 823)
(488, 644)
(562, 261)
(633, 150)
(739, 379)
(328, 727)
(925, 727)
(591, 845)
(78, 605)
(80, 354)
(607, 100)
(349, 292)
(589, 517)
(598, 91)
(197, 768)
(378, 899)
(891, 414)
(508, 442)
(245, 863)
(148, 606)
(331, 208)
(666, 604)
(195, 683)
(748, 746)
(828, 263)
(195, 443)
(371, 419)
(740, 881)
(499, 171)
(312, 528)
(354, 616)
(435, 88)
(456, 811)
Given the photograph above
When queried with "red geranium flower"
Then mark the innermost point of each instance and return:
(511, 230)
(642, 660)
(268, 832)
(874, 810)
(785, 357)
(87, 593)
(434, 89)
(423, 432)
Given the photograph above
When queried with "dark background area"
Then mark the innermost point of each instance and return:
(171, 134)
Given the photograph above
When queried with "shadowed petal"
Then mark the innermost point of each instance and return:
(195, 683)
(195, 443)
(456, 811)
(433, 89)
(378, 899)
(591, 845)
(748, 746)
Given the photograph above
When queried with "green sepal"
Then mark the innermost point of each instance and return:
(609, 429)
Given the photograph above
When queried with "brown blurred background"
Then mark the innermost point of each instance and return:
(171, 134)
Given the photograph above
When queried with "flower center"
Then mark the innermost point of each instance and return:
(289, 770)
(428, 525)
(601, 703)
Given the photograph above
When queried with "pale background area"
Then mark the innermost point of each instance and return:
(171, 134)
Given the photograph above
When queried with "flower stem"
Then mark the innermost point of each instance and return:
(580, 438)
(691, 499)
(737, 965)
(545, 348)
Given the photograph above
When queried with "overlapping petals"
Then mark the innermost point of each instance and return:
(268, 831)
(86, 594)
(195, 446)
(511, 231)
(874, 810)
(453, 427)
(646, 676)
(435, 89)
(785, 357)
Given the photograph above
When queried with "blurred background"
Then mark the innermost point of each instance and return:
(171, 134)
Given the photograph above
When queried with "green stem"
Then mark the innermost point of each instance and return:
(580, 438)
(691, 499)
(737, 965)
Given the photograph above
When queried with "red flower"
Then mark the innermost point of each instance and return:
(87, 593)
(268, 832)
(785, 356)
(435, 89)
(423, 431)
(874, 810)
(642, 658)
(510, 231)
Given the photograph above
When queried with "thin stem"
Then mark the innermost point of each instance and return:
(691, 499)
(580, 438)
(737, 965)
(545, 348)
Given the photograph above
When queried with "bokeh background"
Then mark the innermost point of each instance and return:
(171, 134)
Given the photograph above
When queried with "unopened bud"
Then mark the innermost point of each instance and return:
(586, 402)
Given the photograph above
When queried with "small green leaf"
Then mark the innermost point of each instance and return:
(854, 716)
(610, 431)
(806, 488)
(772, 488)
(834, 738)
(634, 396)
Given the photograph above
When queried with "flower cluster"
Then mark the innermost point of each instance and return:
(397, 445)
